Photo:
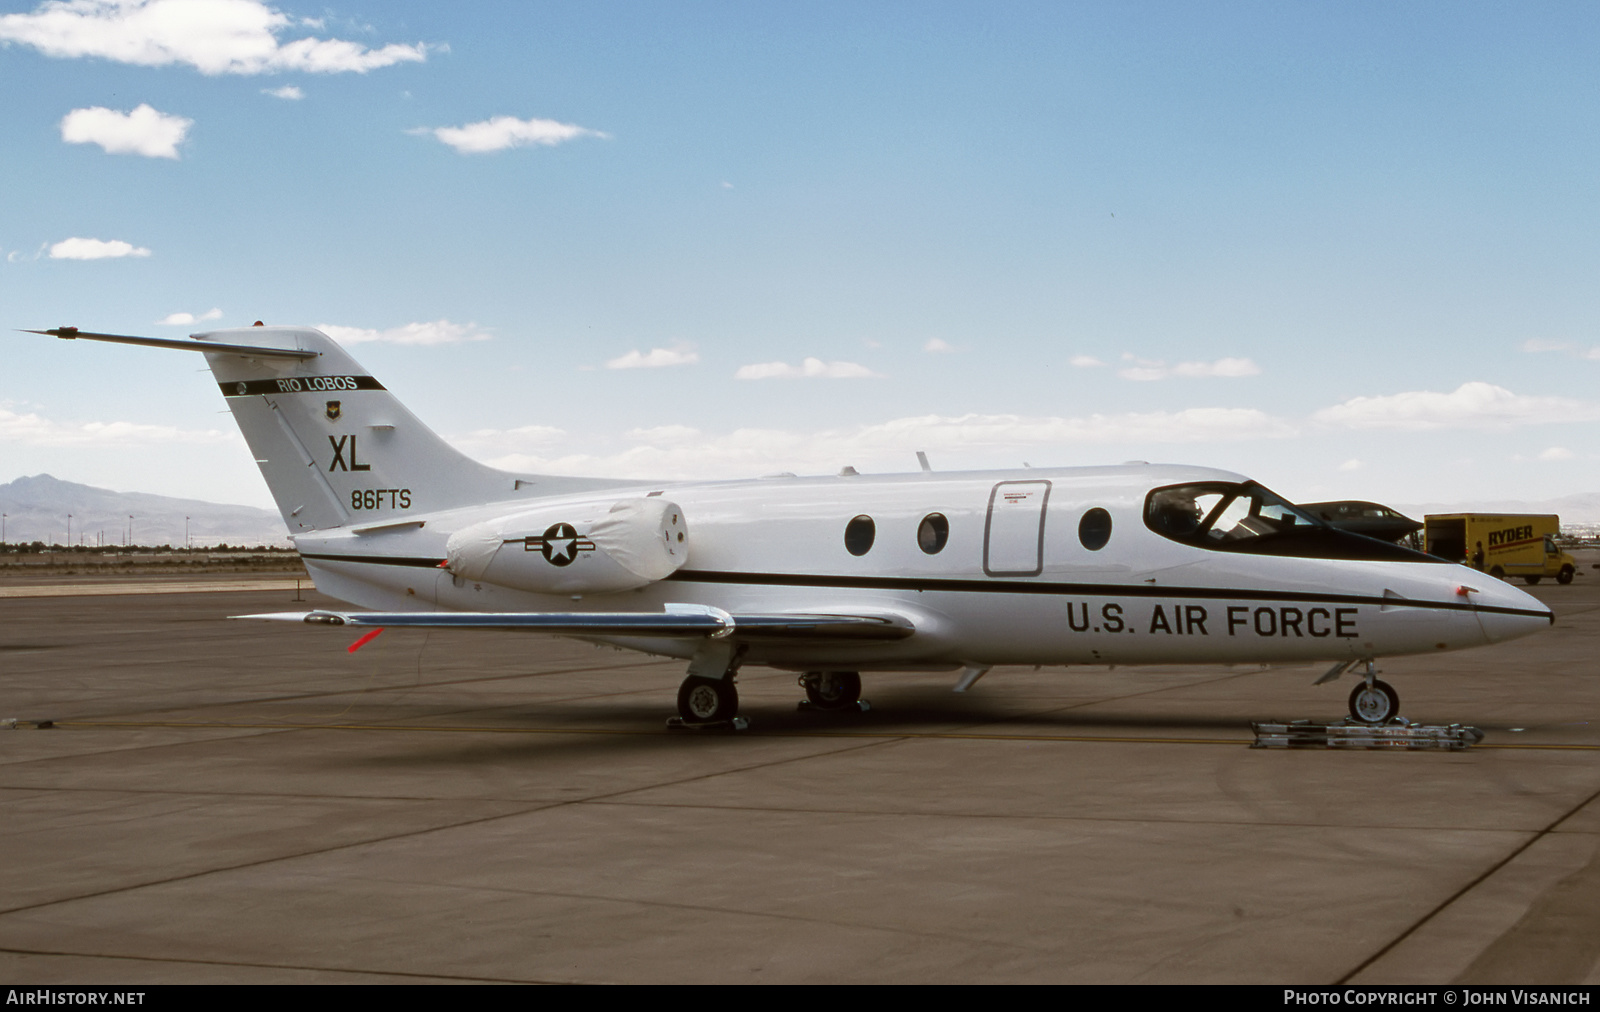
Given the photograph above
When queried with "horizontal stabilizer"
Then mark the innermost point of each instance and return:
(685, 623)
(254, 351)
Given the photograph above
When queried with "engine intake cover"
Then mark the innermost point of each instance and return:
(587, 548)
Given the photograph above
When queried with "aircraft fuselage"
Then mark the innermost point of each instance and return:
(1018, 587)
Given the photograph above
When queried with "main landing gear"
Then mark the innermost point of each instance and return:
(832, 690)
(707, 698)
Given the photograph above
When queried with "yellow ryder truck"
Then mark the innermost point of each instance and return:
(1500, 544)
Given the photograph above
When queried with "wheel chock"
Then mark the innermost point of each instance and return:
(807, 706)
(679, 724)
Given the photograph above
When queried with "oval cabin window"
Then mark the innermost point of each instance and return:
(1094, 530)
(858, 535)
(932, 533)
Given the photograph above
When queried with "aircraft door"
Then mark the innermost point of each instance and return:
(1013, 534)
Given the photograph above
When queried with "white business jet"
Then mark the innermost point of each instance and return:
(826, 576)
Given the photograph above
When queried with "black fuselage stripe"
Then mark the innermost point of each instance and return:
(300, 385)
(1001, 587)
(377, 560)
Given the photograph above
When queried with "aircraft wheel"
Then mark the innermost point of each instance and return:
(832, 690)
(707, 700)
(1565, 576)
(1374, 705)
(1530, 580)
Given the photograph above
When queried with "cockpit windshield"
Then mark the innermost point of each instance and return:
(1246, 517)
(1221, 514)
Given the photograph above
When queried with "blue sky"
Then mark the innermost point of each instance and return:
(1349, 249)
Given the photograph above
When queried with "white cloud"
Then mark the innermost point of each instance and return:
(185, 319)
(437, 332)
(938, 346)
(144, 131)
(214, 37)
(1556, 453)
(521, 440)
(1154, 369)
(1538, 344)
(1223, 367)
(656, 358)
(1535, 345)
(1085, 362)
(502, 132)
(1351, 465)
(33, 430)
(811, 368)
(1471, 405)
(95, 249)
(677, 451)
(663, 433)
(1187, 426)
(288, 92)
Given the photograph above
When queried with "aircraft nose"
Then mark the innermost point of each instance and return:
(1506, 613)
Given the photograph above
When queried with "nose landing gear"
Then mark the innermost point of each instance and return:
(1374, 701)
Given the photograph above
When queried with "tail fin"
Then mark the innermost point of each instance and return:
(337, 448)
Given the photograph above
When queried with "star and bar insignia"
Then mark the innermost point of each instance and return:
(560, 544)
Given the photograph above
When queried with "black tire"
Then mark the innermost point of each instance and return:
(1375, 705)
(833, 690)
(707, 700)
(1497, 573)
(1565, 576)
(1530, 580)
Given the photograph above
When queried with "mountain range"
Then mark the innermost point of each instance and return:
(1581, 508)
(36, 509)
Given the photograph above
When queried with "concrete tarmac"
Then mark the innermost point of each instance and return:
(239, 802)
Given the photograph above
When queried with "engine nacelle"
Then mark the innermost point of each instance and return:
(587, 548)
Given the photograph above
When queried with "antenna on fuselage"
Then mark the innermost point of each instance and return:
(922, 458)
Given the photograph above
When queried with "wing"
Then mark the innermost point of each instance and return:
(678, 621)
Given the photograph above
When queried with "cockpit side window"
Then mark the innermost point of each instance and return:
(1221, 515)
(1246, 517)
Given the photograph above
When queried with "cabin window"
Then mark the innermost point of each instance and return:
(859, 534)
(932, 533)
(1094, 530)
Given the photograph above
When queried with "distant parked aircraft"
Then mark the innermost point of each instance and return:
(1372, 519)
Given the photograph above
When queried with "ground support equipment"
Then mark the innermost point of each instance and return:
(1397, 733)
